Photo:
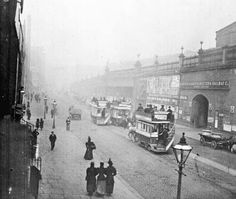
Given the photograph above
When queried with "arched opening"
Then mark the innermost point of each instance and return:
(199, 112)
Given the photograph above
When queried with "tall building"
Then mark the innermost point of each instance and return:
(226, 36)
(11, 55)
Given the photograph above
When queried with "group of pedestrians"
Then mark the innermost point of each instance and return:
(39, 123)
(101, 179)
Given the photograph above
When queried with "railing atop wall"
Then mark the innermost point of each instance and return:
(212, 57)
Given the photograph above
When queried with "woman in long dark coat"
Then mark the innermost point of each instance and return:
(110, 173)
(90, 146)
(101, 180)
(91, 173)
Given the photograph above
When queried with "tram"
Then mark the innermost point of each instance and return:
(120, 113)
(100, 113)
(154, 131)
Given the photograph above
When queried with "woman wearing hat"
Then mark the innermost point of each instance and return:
(90, 146)
(101, 180)
(91, 173)
(110, 173)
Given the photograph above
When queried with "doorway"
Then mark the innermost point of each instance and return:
(199, 112)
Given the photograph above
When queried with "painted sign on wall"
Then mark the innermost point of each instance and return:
(206, 85)
(163, 86)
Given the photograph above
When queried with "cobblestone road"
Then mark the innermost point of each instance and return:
(139, 171)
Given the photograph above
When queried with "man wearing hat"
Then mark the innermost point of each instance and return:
(110, 173)
(52, 139)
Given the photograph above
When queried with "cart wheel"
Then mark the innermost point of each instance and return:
(214, 144)
(202, 140)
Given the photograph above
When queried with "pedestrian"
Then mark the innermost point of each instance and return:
(34, 134)
(110, 173)
(37, 124)
(90, 146)
(101, 180)
(91, 173)
(52, 139)
(28, 113)
(41, 124)
(68, 123)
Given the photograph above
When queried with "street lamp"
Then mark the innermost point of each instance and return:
(181, 151)
(54, 111)
(45, 104)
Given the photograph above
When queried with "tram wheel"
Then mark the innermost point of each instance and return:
(130, 134)
(149, 148)
(133, 137)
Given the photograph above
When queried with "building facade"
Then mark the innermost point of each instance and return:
(208, 87)
(11, 55)
(226, 36)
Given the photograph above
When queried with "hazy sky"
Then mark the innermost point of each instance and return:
(90, 32)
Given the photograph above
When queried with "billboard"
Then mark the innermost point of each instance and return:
(166, 86)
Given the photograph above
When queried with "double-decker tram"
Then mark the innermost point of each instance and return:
(154, 131)
(100, 113)
(120, 113)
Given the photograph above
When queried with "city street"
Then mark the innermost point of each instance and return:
(141, 174)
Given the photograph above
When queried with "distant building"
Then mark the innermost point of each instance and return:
(226, 36)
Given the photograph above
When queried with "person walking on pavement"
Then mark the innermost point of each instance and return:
(37, 123)
(91, 173)
(41, 124)
(28, 113)
(52, 139)
(101, 180)
(34, 134)
(90, 146)
(110, 173)
(68, 124)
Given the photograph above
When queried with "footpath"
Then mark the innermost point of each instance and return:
(63, 169)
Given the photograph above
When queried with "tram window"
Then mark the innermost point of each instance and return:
(155, 129)
(151, 129)
(139, 125)
(144, 126)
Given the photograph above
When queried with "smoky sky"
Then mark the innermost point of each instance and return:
(88, 33)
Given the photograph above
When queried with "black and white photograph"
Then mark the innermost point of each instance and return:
(117, 99)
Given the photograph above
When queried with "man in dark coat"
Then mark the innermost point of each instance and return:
(41, 124)
(52, 139)
(91, 173)
(37, 124)
(110, 173)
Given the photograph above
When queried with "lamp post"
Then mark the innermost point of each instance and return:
(45, 104)
(181, 151)
(54, 111)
